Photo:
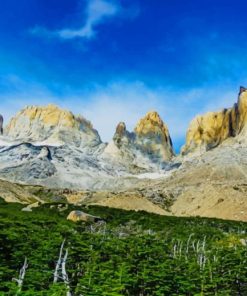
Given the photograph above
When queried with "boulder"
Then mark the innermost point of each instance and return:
(77, 216)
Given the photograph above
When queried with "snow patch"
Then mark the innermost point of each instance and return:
(152, 176)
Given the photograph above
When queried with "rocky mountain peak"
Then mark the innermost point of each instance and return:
(121, 129)
(213, 128)
(151, 123)
(152, 136)
(52, 124)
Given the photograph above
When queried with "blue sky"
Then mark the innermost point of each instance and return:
(115, 60)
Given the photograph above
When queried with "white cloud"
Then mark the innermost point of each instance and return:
(97, 11)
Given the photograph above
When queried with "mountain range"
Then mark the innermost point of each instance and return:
(47, 149)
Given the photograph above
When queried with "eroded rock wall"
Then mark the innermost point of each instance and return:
(211, 129)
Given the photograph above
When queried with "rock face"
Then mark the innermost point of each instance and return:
(208, 131)
(52, 125)
(153, 138)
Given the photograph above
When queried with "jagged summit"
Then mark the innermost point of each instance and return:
(122, 136)
(152, 136)
(149, 143)
(213, 128)
(150, 123)
(53, 125)
(118, 148)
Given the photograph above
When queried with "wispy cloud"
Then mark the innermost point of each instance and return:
(97, 12)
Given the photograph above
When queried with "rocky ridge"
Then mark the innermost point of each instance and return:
(52, 147)
(136, 170)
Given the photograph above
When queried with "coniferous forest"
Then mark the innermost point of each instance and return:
(126, 253)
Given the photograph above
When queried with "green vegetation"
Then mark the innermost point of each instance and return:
(133, 253)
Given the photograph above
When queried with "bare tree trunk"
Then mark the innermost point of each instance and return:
(1, 124)
(22, 274)
(56, 276)
(60, 269)
(64, 273)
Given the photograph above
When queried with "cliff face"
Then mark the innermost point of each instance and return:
(53, 125)
(153, 138)
(209, 130)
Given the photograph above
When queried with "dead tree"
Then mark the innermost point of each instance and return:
(64, 273)
(60, 269)
(1, 124)
(58, 265)
(22, 274)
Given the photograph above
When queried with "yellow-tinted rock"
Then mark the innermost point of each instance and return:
(49, 115)
(77, 216)
(51, 123)
(209, 130)
(151, 123)
(152, 136)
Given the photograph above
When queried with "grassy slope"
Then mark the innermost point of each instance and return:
(133, 254)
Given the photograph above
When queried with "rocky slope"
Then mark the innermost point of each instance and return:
(11, 192)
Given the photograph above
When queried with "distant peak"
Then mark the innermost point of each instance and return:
(39, 123)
